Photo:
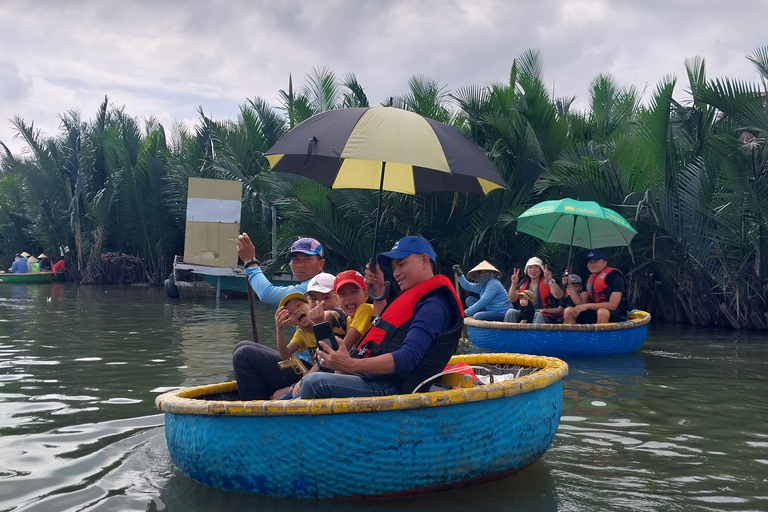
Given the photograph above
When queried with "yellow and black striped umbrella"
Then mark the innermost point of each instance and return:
(384, 148)
(355, 147)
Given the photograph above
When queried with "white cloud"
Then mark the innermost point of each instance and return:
(167, 58)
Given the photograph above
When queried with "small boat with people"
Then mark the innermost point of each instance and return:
(31, 277)
(489, 416)
(561, 340)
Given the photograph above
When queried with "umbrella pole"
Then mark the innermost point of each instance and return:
(373, 263)
(570, 247)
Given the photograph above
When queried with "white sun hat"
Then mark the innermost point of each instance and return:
(322, 282)
(534, 261)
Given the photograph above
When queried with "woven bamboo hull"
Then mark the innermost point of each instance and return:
(32, 278)
(372, 447)
(559, 340)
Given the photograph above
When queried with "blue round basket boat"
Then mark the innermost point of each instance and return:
(561, 340)
(377, 446)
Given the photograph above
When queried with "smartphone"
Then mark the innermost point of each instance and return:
(324, 332)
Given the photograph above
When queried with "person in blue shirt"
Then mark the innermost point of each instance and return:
(306, 261)
(20, 265)
(494, 299)
(412, 337)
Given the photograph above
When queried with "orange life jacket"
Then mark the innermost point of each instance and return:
(548, 301)
(596, 287)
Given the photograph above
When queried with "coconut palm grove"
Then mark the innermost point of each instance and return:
(686, 163)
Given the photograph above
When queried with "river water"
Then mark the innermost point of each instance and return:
(680, 425)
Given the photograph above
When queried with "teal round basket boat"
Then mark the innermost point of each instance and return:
(561, 340)
(378, 446)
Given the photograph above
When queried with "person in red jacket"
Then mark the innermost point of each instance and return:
(605, 299)
(58, 266)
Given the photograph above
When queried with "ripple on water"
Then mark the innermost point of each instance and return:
(68, 410)
(30, 361)
(15, 377)
(121, 401)
(77, 465)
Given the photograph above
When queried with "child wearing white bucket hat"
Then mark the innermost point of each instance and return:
(493, 302)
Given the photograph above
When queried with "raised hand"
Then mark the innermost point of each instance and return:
(281, 317)
(317, 313)
(457, 270)
(515, 278)
(245, 248)
(548, 275)
(374, 279)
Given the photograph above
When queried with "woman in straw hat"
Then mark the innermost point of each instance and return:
(33, 265)
(45, 263)
(547, 294)
(494, 301)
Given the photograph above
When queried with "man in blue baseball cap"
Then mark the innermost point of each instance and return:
(604, 300)
(412, 338)
(306, 261)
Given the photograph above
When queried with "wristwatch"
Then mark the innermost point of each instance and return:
(248, 263)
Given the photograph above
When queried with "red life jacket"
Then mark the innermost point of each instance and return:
(596, 285)
(390, 328)
(548, 301)
(397, 317)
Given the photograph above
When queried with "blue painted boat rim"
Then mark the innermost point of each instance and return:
(185, 401)
(635, 318)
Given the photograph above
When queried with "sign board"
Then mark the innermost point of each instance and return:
(213, 222)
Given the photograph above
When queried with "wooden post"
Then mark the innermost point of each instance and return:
(252, 307)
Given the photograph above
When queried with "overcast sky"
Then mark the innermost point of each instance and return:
(165, 59)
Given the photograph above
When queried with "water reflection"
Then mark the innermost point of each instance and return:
(532, 489)
(207, 337)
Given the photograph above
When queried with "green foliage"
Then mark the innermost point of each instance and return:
(691, 175)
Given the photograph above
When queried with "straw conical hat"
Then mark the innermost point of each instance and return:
(42, 255)
(32, 259)
(484, 265)
(25, 254)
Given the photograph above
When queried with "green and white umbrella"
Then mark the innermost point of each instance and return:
(580, 223)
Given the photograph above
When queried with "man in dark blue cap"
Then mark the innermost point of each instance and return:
(412, 338)
(605, 299)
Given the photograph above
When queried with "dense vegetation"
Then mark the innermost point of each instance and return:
(691, 176)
